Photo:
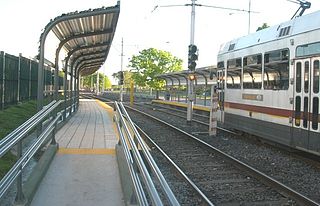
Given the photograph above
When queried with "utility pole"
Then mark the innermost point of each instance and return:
(192, 56)
(121, 88)
(249, 11)
(191, 84)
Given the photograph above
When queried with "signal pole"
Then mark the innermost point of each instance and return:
(190, 87)
(192, 56)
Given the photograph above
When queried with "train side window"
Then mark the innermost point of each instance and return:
(276, 70)
(308, 49)
(297, 113)
(306, 77)
(234, 69)
(252, 72)
(316, 72)
(315, 113)
(298, 77)
(305, 112)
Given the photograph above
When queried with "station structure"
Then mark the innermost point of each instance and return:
(88, 158)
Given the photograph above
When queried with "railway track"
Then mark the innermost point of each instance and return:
(203, 119)
(223, 179)
(198, 118)
(298, 172)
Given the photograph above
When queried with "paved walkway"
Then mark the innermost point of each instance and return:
(85, 170)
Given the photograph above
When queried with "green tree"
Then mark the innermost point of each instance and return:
(107, 83)
(150, 63)
(91, 80)
(264, 25)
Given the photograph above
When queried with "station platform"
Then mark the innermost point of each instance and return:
(84, 170)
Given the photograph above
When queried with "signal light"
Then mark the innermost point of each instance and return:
(211, 75)
(192, 77)
(120, 77)
(192, 57)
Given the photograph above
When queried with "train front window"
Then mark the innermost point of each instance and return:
(276, 70)
(316, 72)
(252, 72)
(234, 67)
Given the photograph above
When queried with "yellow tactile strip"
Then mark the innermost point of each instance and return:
(181, 104)
(111, 113)
(86, 151)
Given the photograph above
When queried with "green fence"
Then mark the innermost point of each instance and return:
(1, 79)
(19, 79)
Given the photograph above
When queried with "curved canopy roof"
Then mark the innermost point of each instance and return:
(86, 36)
(181, 78)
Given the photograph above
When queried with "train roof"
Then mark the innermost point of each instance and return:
(293, 27)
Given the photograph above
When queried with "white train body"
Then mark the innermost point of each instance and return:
(269, 83)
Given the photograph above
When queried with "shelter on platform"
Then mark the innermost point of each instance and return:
(87, 37)
(203, 76)
(177, 84)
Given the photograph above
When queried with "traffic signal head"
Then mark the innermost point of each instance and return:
(192, 48)
(121, 78)
(192, 57)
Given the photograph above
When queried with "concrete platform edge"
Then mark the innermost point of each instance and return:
(125, 178)
(38, 173)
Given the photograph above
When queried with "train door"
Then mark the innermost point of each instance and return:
(306, 103)
(220, 85)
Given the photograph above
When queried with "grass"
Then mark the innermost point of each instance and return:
(10, 119)
(6, 162)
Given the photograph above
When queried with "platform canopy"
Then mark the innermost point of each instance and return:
(87, 36)
(181, 78)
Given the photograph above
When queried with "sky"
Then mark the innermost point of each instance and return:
(142, 27)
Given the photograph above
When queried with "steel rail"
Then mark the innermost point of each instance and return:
(193, 185)
(258, 174)
(141, 197)
(153, 164)
(139, 161)
(194, 120)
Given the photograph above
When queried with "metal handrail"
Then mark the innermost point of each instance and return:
(126, 126)
(11, 139)
(142, 200)
(16, 137)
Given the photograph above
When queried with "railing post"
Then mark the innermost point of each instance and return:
(19, 85)
(29, 79)
(20, 198)
(65, 92)
(53, 140)
(3, 78)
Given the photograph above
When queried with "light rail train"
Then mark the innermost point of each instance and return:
(268, 83)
